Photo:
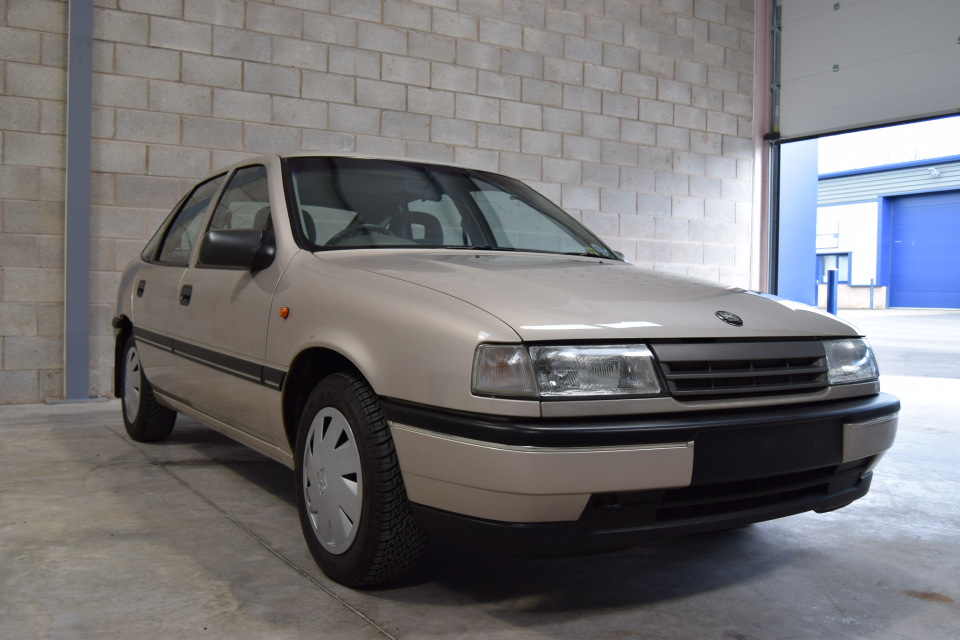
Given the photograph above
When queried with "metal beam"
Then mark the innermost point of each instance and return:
(77, 206)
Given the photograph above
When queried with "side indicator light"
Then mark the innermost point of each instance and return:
(284, 312)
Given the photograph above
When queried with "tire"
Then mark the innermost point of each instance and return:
(354, 511)
(144, 419)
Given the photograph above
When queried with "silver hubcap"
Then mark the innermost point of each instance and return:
(131, 384)
(332, 480)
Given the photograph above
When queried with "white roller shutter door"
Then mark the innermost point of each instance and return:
(848, 64)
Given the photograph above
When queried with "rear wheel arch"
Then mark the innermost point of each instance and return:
(124, 328)
(145, 419)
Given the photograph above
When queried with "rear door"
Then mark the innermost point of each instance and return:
(156, 297)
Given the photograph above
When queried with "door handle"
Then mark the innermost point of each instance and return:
(140, 287)
(185, 292)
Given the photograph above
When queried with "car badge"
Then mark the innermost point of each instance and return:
(730, 318)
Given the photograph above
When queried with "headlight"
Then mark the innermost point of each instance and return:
(850, 360)
(621, 370)
(565, 371)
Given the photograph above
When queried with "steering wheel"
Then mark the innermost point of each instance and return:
(368, 229)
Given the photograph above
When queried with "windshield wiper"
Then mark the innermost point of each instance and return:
(590, 253)
(480, 247)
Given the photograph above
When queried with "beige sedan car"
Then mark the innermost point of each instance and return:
(439, 350)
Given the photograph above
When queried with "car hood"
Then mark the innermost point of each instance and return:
(547, 297)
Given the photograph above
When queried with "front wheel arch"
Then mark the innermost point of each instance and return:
(308, 369)
(353, 507)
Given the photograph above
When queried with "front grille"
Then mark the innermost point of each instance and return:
(713, 370)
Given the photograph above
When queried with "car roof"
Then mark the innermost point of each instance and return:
(264, 158)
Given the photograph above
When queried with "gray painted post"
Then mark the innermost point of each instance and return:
(77, 232)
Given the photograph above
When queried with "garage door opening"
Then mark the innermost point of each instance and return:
(856, 67)
(882, 206)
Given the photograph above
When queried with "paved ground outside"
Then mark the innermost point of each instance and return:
(198, 537)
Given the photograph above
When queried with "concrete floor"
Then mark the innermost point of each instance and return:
(198, 537)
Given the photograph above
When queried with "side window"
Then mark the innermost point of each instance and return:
(838, 261)
(182, 233)
(245, 203)
(149, 253)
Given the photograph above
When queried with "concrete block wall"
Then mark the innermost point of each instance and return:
(634, 115)
(32, 147)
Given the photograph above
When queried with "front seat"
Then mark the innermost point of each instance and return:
(418, 225)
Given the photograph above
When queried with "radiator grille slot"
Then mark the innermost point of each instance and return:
(646, 508)
(736, 369)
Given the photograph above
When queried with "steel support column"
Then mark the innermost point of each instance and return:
(76, 330)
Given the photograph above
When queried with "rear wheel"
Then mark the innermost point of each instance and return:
(144, 419)
(353, 506)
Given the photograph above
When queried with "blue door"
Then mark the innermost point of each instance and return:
(925, 254)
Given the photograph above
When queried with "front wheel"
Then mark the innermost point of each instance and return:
(144, 418)
(353, 506)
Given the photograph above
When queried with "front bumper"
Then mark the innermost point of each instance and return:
(557, 486)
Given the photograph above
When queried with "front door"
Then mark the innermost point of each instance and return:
(224, 318)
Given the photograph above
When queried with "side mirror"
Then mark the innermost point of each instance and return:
(252, 249)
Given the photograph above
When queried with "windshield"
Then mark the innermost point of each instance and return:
(342, 203)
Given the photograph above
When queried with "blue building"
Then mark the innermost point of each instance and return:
(895, 227)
